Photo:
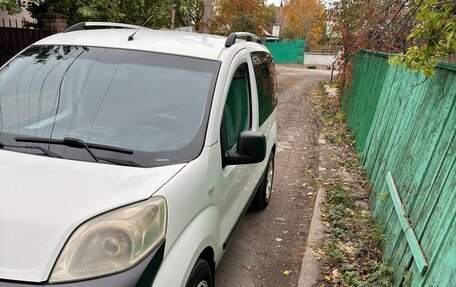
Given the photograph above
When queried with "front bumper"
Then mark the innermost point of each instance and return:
(141, 275)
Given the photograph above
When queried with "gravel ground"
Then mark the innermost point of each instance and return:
(268, 246)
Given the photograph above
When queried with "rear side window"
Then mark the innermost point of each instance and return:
(236, 113)
(266, 81)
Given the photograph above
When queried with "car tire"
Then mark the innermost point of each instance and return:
(201, 275)
(264, 192)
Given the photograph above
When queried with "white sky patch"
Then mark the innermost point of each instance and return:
(277, 2)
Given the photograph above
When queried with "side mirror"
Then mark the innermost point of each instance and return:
(251, 148)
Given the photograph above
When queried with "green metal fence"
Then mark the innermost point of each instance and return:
(405, 124)
(287, 51)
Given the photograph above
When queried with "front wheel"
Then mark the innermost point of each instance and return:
(201, 275)
(264, 192)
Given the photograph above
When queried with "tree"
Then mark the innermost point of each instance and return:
(207, 23)
(380, 25)
(304, 19)
(189, 13)
(14, 6)
(421, 31)
(134, 12)
(433, 37)
(10, 6)
(243, 15)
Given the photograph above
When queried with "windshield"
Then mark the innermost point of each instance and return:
(154, 104)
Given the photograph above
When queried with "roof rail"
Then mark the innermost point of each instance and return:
(112, 25)
(250, 37)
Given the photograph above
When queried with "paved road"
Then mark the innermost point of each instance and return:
(270, 242)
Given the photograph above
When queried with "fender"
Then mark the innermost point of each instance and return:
(178, 263)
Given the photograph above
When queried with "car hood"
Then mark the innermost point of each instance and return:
(43, 200)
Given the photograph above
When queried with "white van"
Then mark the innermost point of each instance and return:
(127, 160)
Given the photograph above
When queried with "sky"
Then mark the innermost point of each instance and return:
(277, 2)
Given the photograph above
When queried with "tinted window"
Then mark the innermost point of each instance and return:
(152, 103)
(266, 84)
(236, 113)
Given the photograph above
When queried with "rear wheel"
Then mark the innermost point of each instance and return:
(264, 192)
(201, 275)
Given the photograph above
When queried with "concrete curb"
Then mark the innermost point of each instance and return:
(310, 268)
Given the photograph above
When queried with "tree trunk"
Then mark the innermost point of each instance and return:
(173, 18)
(207, 16)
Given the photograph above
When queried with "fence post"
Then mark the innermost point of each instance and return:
(53, 22)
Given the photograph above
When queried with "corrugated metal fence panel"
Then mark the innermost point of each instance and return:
(287, 51)
(406, 124)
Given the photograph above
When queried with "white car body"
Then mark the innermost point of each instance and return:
(44, 199)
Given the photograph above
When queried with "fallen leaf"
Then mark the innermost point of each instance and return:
(310, 193)
(348, 249)
(287, 272)
(327, 277)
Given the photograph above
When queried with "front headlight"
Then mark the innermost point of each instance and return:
(112, 242)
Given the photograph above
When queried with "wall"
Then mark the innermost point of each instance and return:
(319, 59)
(287, 51)
(405, 124)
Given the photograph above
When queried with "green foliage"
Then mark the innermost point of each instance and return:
(351, 250)
(340, 117)
(134, 12)
(304, 19)
(407, 279)
(243, 15)
(350, 254)
(242, 22)
(433, 37)
(10, 6)
(189, 12)
(379, 25)
(383, 195)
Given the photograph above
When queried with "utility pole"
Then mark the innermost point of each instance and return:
(207, 16)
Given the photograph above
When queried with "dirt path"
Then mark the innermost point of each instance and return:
(270, 242)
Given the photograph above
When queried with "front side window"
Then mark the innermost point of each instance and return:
(236, 113)
(153, 104)
(266, 84)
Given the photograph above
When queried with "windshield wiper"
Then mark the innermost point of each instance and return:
(69, 141)
(42, 149)
(75, 142)
(78, 143)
